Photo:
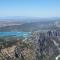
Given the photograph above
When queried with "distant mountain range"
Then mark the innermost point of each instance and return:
(26, 19)
(22, 23)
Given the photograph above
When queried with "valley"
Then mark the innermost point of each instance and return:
(30, 41)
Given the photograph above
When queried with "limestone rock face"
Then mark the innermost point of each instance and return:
(47, 44)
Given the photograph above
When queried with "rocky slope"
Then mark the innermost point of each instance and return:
(47, 44)
(42, 45)
(20, 51)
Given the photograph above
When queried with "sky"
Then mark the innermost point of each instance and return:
(30, 8)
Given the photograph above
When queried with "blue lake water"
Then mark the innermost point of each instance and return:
(24, 34)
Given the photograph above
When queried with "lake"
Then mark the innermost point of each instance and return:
(24, 34)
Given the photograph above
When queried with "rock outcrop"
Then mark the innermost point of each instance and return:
(47, 44)
(43, 45)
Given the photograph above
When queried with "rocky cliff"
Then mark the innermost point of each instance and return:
(42, 45)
